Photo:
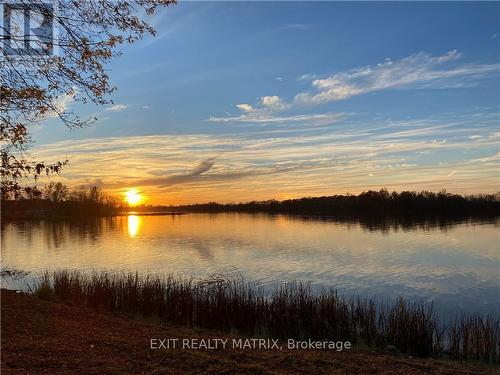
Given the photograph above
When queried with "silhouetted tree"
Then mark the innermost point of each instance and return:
(55, 192)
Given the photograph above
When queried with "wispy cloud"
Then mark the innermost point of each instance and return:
(267, 112)
(246, 166)
(117, 107)
(415, 71)
(493, 159)
(307, 77)
(169, 22)
(420, 70)
(169, 180)
(203, 167)
(252, 117)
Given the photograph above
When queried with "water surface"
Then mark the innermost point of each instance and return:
(455, 265)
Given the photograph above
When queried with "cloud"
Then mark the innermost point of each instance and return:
(420, 70)
(191, 176)
(493, 159)
(63, 101)
(245, 107)
(117, 107)
(314, 118)
(270, 100)
(266, 113)
(198, 175)
(60, 105)
(167, 23)
(243, 166)
(273, 103)
(307, 77)
(203, 167)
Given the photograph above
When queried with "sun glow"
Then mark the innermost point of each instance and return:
(133, 197)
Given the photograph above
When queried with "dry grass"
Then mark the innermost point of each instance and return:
(292, 310)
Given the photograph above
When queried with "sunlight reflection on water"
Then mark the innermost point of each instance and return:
(457, 265)
(133, 225)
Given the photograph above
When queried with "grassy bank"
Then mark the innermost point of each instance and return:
(290, 311)
(52, 338)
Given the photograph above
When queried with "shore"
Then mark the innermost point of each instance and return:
(40, 337)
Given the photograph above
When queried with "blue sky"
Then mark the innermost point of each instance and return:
(237, 101)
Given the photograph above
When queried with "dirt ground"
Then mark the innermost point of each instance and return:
(40, 337)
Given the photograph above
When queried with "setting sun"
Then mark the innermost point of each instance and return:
(132, 197)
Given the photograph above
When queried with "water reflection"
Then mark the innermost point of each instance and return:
(457, 263)
(133, 225)
(388, 224)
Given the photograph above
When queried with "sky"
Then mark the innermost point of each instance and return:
(240, 101)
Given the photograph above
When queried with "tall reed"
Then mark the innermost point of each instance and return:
(292, 310)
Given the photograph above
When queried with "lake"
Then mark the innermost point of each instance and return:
(456, 265)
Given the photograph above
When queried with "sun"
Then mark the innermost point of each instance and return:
(133, 197)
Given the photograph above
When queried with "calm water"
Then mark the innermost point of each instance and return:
(457, 266)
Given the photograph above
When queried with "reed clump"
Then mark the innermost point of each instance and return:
(291, 310)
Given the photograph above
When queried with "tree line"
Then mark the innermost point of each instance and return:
(376, 203)
(58, 200)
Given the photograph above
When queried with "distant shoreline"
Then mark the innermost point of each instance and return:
(131, 213)
(369, 204)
